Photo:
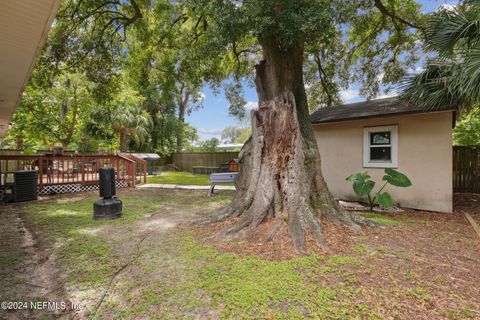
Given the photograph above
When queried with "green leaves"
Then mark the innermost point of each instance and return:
(384, 200)
(362, 189)
(362, 186)
(467, 128)
(451, 78)
(396, 178)
(358, 177)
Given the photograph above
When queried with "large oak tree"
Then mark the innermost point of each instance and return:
(280, 175)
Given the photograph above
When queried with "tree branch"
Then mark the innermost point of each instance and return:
(375, 32)
(380, 6)
(118, 21)
(322, 75)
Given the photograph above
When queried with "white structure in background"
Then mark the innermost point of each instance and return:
(230, 145)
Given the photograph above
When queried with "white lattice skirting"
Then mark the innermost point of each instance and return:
(68, 188)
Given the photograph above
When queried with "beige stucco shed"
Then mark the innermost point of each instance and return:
(372, 135)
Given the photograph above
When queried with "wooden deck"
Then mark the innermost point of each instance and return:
(72, 169)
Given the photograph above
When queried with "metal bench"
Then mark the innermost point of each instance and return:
(222, 177)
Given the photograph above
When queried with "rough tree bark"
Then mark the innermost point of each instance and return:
(123, 140)
(280, 176)
(182, 102)
(19, 142)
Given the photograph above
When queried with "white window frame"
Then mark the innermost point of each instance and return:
(367, 163)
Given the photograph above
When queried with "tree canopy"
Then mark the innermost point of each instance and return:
(134, 68)
(369, 42)
(167, 51)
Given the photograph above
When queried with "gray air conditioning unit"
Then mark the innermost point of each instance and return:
(23, 187)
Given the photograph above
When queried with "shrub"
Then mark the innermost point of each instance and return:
(363, 186)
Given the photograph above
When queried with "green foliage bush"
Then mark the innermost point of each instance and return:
(363, 186)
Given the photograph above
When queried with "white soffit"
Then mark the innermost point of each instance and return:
(24, 25)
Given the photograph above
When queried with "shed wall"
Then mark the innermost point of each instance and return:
(424, 155)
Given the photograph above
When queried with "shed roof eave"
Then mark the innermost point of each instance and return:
(392, 115)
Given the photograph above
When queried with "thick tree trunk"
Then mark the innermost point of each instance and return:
(180, 132)
(182, 107)
(19, 142)
(123, 140)
(280, 176)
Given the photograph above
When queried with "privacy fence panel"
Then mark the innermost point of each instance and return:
(185, 161)
(466, 169)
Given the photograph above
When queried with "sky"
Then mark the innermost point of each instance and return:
(213, 117)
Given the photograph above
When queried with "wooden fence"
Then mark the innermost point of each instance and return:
(185, 161)
(466, 165)
(466, 169)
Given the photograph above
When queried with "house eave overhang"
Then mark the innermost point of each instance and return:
(24, 26)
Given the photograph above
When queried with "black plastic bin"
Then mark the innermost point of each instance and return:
(23, 187)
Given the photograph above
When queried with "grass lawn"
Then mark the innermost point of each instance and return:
(181, 178)
(171, 270)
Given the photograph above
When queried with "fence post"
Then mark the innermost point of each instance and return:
(118, 165)
(40, 170)
(145, 172)
(83, 167)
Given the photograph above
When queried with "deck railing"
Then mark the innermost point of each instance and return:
(141, 165)
(70, 169)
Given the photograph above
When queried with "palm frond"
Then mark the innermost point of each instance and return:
(452, 79)
(472, 69)
(437, 87)
(449, 29)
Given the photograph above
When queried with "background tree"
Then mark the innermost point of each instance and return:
(113, 44)
(89, 37)
(451, 77)
(233, 134)
(230, 134)
(467, 129)
(53, 116)
(244, 135)
(129, 119)
(86, 40)
(160, 66)
(209, 145)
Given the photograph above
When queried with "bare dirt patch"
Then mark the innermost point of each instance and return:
(27, 274)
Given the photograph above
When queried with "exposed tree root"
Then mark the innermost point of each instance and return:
(275, 230)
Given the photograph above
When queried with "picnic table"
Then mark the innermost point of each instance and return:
(222, 177)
